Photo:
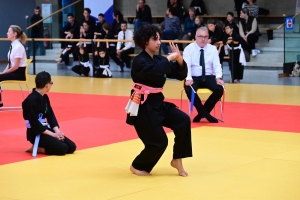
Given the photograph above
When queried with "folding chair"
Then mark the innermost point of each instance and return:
(206, 91)
(20, 82)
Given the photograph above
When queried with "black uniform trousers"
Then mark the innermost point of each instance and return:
(210, 83)
(80, 69)
(237, 69)
(19, 74)
(65, 57)
(155, 138)
(54, 146)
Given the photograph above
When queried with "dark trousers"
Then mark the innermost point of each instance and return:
(80, 69)
(210, 103)
(113, 55)
(221, 55)
(155, 138)
(19, 74)
(65, 57)
(237, 69)
(54, 146)
(250, 44)
(125, 58)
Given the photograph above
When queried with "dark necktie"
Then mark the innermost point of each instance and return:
(202, 64)
(123, 43)
(9, 63)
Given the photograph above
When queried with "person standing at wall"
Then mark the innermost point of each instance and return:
(37, 31)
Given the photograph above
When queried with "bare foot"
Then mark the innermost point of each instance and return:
(40, 150)
(58, 60)
(29, 150)
(177, 163)
(139, 172)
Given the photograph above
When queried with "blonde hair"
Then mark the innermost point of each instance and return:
(200, 18)
(20, 34)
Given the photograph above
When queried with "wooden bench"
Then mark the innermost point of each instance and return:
(135, 54)
(160, 18)
(270, 31)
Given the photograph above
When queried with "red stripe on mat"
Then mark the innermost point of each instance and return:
(95, 120)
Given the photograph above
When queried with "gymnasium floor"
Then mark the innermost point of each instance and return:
(254, 154)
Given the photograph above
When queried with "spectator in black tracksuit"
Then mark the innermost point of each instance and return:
(37, 31)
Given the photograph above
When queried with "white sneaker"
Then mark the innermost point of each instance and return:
(254, 52)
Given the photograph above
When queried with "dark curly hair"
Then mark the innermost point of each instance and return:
(144, 33)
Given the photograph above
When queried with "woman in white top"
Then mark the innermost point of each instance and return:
(15, 69)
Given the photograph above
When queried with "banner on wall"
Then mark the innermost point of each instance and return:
(101, 6)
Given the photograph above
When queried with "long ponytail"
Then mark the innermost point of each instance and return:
(20, 34)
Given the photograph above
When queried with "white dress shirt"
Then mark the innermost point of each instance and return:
(128, 36)
(191, 56)
(17, 51)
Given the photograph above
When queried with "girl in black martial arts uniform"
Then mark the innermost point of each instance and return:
(147, 110)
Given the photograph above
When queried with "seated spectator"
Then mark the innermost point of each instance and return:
(204, 71)
(102, 69)
(189, 24)
(216, 35)
(221, 24)
(199, 7)
(40, 120)
(248, 30)
(99, 33)
(87, 33)
(229, 20)
(215, 32)
(84, 68)
(71, 25)
(172, 29)
(198, 23)
(253, 8)
(143, 15)
(116, 25)
(125, 48)
(70, 47)
(237, 67)
(87, 18)
(111, 45)
(177, 8)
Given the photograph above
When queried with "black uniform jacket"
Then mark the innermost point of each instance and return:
(153, 72)
(32, 106)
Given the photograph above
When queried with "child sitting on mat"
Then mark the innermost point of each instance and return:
(102, 71)
(84, 68)
(41, 122)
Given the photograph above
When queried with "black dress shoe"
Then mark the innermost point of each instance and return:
(211, 119)
(1, 105)
(197, 118)
(122, 67)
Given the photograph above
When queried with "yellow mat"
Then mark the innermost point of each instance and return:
(228, 163)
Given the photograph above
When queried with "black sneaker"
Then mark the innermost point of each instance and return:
(1, 105)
